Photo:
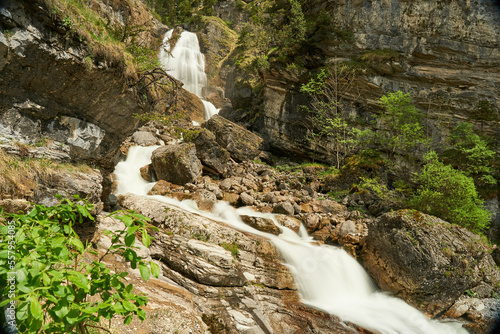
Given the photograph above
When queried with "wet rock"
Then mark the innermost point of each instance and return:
(241, 143)
(176, 163)
(311, 222)
(162, 187)
(290, 222)
(147, 173)
(210, 153)
(261, 224)
(425, 260)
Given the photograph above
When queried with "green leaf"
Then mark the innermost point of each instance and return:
(129, 240)
(36, 308)
(22, 311)
(129, 306)
(141, 314)
(146, 239)
(118, 308)
(129, 288)
(127, 220)
(61, 308)
(72, 316)
(128, 319)
(4, 302)
(155, 269)
(144, 269)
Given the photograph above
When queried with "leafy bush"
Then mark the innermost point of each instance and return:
(449, 194)
(58, 288)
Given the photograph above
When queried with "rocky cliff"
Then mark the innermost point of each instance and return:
(445, 53)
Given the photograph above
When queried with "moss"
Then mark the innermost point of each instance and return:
(233, 248)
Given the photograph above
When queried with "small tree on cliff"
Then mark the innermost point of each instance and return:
(403, 123)
(329, 119)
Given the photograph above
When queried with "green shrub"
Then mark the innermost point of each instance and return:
(57, 287)
(449, 194)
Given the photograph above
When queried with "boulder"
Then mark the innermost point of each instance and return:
(284, 208)
(240, 143)
(261, 224)
(425, 260)
(144, 138)
(247, 199)
(210, 153)
(176, 163)
(289, 222)
(204, 199)
(147, 173)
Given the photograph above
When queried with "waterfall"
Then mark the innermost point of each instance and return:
(327, 277)
(186, 63)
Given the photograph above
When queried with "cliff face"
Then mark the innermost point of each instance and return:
(51, 77)
(446, 53)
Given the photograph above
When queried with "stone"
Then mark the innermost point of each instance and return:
(284, 208)
(247, 199)
(210, 153)
(419, 257)
(241, 144)
(15, 205)
(144, 138)
(261, 224)
(457, 310)
(311, 221)
(161, 187)
(232, 198)
(147, 173)
(289, 222)
(177, 163)
(347, 227)
(204, 199)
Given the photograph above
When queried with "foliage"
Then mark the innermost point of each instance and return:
(330, 121)
(146, 58)
(59, 289)
(404, 124)
(449, 194)
(177, 12)
(233, 248)
(471, 154)
(379, 56)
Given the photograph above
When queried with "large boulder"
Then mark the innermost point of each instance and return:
(176, 163)
(241, 143)
(425, 260)
(211, 154)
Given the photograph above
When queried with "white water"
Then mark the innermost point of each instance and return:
(327, 277)
(186, 63)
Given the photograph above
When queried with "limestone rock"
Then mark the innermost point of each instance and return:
(261, 224)
(144, 138)
(210, 152)
(284, 208)
(176, 163)
(424, 260)
(247, 199)
(241, 143)
(204, 199)
(290, 222)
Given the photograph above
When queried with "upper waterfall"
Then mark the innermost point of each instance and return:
(184, 61)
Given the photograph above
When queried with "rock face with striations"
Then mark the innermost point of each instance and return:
(241, 143)
(176, 163)
(425, 260)
(210, 152)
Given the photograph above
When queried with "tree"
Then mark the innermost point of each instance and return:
(52, 276)
(330, 121)
(404, 131)
(449, 194)
(471, 154)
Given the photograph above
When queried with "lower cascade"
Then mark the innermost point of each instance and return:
(327, 278)
(185, 62)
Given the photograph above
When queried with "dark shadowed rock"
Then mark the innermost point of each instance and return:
(147, 172)
(284, 208)
(210, 153)
(241, 143)
(176, 163)
(425, 260)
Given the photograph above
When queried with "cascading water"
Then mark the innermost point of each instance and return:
(327, 277)
(186, 63)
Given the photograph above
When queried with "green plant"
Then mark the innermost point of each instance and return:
(449, 194)
(62, 285)
(233, 248)
(470, 293)
(403, 122)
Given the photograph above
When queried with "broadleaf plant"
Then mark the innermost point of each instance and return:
(59, 288)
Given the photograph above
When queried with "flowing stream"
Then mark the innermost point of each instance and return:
(186, 63)
(327, 278)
